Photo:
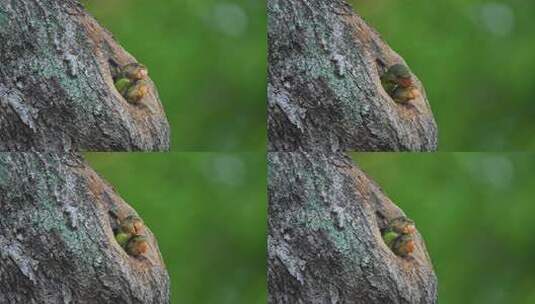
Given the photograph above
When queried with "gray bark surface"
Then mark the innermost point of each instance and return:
(56, 87)
(324, 89)
(56, 238)
(324, 242)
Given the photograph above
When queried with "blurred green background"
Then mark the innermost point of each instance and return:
(208, 212)
(208, 60)
(476, 59)
(476, 214)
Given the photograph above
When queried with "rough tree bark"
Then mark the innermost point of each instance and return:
(324, 242)
(57, 94)
(56, 88)
(324, 89)
(56, 238)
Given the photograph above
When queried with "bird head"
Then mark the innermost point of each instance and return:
(401, 74)
(402, 225)
(135, 71)
(132, 224)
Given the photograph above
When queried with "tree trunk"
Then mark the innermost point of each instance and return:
(324, 89)
(56, 87)
(56, 238)
(57, 242)
(325, 244)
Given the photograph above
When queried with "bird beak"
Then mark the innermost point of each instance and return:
(405, 82)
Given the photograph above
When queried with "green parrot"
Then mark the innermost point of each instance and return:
(137, 245)
(397, 82)
(130, 81)
(128, 228)
(398, 236)
(402, 225)
(403, 246)
(136, 92)
(132, 224)
(135, 71)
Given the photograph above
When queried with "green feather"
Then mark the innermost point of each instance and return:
(389, 237)
(122, 85)
(389, 83)
(122, 238)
